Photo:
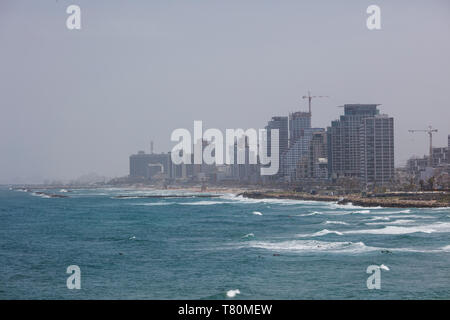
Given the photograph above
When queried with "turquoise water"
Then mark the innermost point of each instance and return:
(200, 248)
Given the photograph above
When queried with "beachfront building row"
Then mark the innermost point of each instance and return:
(359, 145)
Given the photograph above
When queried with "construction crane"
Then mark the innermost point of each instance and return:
(310, 97)
(430, 131)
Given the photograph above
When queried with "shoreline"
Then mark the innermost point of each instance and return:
(351, 199)
(388, 200)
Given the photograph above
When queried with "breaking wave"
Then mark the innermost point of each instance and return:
(309, 214)
(335, 222)
(153, 204)
(41, 195)
(202, 203)
(316, 246)
(411, 216)
(379, 218)
(350, 205)
(441, 227)
(233, 293)
(321, 233)
(243, 199)
(400, 221)
(326, 231)
(313, 246)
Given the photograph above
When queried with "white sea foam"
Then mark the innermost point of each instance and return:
(400, 221)
(393, 212)
(411, 216)
(441, 209)
(131, 194)
(384, 267)
(233, 293)
(152, 204)
(344, 212)
(335, 222)
(325, 232)
(121, 198)
(423, 250)
(308, 214)
(391, 230)
(248, 235)
(350, 205)
(313, 246)
(202, 203)
(441, 227)
(41, 195)
(333, 213)
(257, 213)
(379, 218)
(243, 199)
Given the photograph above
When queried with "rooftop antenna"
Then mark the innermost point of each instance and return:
(151, 147)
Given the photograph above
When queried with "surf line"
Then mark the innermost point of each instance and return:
(190, 310)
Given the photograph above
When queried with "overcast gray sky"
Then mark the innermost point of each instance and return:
(74, 102)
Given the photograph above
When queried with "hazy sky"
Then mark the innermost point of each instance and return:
(74, 102)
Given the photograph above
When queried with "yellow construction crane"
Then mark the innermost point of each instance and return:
(310, 97)
(430, 131)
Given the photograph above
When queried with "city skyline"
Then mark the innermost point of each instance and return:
(357, 146)
(75, 102)
(227, 158)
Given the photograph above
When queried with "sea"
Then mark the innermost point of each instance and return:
(225, 246)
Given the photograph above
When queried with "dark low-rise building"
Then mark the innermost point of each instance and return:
(147, 165)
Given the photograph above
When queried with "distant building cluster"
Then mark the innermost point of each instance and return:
(421, 171)
(157, 167)
(357, 148)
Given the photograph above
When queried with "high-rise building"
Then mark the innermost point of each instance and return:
(343, 138)
(318, 163)
(298, 121)
(280, 123)
(377, 150)
(242, 170)
(314, 164)
(299, 151)
(361, 145)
